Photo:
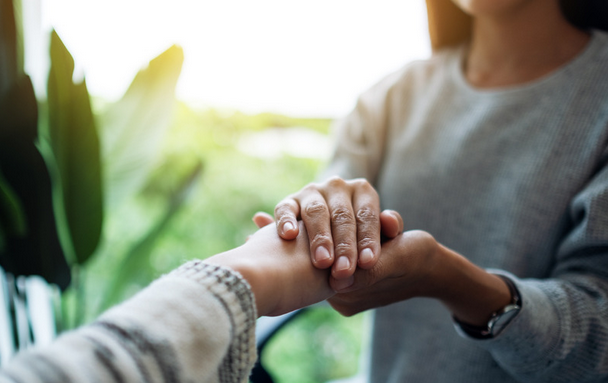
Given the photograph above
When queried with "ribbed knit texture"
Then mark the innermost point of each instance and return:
(196, 324)
(514, 179)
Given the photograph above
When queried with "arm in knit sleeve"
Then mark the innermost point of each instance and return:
(561, 333)
(196, 324)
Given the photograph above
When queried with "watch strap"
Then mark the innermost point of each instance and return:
(489, 330)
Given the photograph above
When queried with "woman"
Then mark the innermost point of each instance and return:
(497, 151)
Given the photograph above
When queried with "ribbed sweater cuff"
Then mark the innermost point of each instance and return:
(236, 292)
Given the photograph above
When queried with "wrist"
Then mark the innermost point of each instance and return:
(470, 293)
(242, 264)
(498, 320)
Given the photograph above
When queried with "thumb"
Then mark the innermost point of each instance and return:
(262, 219)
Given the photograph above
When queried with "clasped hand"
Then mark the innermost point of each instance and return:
(373, 262)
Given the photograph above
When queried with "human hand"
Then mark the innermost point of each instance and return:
(279, 272)
(404, 270)
(343, 221)
(415, 265)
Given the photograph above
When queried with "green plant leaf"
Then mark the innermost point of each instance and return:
(38, 252)
(140, 253)
(75, 147)
(12, 216)
(11, 46)
(133, 128)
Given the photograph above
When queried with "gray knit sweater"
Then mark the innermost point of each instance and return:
(515, 179)
(194, 325)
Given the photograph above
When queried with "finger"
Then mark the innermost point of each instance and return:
(315, 215)
(262, 219)
(342, 285)
(366, 206)
(360, 279)
(343, 230)
(286, 214)
(391, 223)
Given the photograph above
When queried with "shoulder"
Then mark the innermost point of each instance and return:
(600, 40)
(414, 77)
(592, 63)
(584, 83)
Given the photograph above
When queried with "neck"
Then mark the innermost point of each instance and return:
(521, 45)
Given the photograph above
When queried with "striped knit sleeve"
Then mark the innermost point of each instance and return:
(196, 324)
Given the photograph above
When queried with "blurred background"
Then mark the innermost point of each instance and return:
(232, 114)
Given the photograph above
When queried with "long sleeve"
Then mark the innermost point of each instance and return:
(196, 324)
(561, 334)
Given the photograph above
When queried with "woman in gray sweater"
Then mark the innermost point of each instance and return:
(496, 152)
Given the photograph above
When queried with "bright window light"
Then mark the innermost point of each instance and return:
(305, 58)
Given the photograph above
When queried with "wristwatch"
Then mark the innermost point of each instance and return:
(499, 319)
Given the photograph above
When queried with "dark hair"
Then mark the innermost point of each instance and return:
(586, 14)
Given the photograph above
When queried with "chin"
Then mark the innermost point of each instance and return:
(491, 7)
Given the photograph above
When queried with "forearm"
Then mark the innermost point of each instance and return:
(468, 291)
(191, 325)
(558, 336)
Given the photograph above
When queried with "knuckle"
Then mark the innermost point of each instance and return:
(311, 188)
(335, 181)
(315, 208)
(366, 215)
(366, 242)
(421, 235)
(362, 183)
(342, 216)
(320, 239)
(364, 187)
(343, 248)
(284, 207)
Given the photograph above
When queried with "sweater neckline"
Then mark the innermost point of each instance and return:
(457, 59)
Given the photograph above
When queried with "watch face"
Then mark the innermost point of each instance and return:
(502, 320)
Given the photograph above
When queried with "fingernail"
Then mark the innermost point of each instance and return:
(341, 284)
(288, 226)
(321, 254)
(366, 255)
(343, 263)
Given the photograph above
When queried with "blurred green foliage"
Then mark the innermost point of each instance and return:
(318, 346)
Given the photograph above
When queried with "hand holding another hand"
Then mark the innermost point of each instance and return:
(404, 270)
(342, 218)
(343, 221)
(414, 264)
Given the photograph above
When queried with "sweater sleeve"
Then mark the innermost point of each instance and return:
(196, 324)
(561, 333)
